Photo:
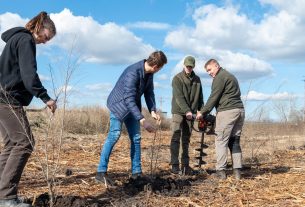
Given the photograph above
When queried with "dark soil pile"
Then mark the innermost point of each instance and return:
(67, 201)
(156, 185)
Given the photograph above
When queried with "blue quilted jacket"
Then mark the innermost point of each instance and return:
(125, 97)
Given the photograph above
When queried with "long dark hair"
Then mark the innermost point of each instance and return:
(42, 20)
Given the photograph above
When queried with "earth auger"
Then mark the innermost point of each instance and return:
(204, 126)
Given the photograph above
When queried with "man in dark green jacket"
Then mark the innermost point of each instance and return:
(187, 100)
(225, 97)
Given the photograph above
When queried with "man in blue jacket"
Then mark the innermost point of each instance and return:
(124, 103)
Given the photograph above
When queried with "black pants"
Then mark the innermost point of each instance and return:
(18, 146)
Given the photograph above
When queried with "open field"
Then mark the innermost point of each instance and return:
(274, 173)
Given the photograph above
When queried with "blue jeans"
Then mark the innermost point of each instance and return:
(133, 128)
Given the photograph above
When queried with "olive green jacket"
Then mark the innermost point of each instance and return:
(187, 93)
(225, 94)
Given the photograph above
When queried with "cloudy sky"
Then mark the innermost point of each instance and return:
(259, 41)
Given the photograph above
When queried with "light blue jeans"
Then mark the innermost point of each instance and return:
(133, 128)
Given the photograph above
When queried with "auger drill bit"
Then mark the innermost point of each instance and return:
(201, 153)
(206, 125)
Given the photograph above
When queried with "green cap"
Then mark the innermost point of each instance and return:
(189, 61)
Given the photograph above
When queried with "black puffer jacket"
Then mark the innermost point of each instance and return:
(19, 80)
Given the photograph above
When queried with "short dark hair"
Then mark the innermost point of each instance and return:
(157, 58)
(210, 61)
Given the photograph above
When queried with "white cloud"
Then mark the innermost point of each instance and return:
(215, 37)
(243, 46)
(43, 77)
(106, 87)
(9, 20)
(296, 7)
(257, 96)
(244, 66)
(149, 25)
(66, 88)
(104, 43)
(278, 36)
(95, 42)
(160, 85)
(162, 76)
(218, 28)
(222, 27)
(241, 65)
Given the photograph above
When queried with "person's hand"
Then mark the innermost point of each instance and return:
(189, 115)
(52, 105)
(199, 116)
(156, 117)
(147, 125)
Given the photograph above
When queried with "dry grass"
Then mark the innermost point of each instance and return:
(84, 120)
(273, 154)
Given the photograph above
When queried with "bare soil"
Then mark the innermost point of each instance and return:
(274, 175)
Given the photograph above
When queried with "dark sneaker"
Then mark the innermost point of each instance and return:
(187, 170)
(13, 203)
(237, 173)
(136, 175)
(102, 177)
(221, 174)
(175, 169)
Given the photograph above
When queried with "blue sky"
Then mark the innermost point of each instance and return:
(259, 41)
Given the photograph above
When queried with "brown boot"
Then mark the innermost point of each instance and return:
(237, 173)
(221, 174)
(175, 169)
(187, 170)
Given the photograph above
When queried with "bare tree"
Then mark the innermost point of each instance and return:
(49, 148)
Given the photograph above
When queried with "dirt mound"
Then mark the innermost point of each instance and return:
(67, 201)
(158, 184)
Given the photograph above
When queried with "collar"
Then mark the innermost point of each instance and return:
(143, 68)
(190, 75)
(220, 69)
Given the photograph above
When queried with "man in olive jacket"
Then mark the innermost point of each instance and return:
(187, 100)
(225, 97)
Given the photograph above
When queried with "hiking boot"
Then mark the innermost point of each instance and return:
(221, 174)
(237, 173)
(175, 169)
(102, 177)
(136, 176)
(187, 170)
(13, 203)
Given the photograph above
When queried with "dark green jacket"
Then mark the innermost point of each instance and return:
(225, 94)
(187, 93)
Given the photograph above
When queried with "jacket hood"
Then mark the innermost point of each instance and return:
(11, 32)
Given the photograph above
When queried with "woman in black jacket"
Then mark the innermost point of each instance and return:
(19, 82)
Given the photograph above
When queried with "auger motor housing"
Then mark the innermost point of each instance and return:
(205, 125)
